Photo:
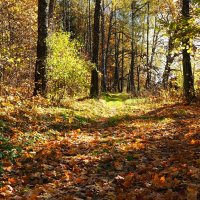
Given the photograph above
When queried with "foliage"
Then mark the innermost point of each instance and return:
(17, 40)
(68, 72)
(7, 150)
(100, 149)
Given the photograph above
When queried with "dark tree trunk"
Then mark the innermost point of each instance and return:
(169, 61)
(89, 30)
(117, 44)
(103, 70)
(188, 82)
(94, 90)
(40, 68)
(64, 15)
(132, 69)
(50, 15)
(67, 16)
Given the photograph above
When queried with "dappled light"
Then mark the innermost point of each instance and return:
(99, 100)
(152, 154)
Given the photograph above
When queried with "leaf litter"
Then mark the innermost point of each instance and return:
(142, 153)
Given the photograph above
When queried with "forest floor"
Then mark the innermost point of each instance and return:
(107, 149)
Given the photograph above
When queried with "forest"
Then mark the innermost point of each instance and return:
(100, 99)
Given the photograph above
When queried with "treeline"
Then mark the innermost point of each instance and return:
(123, 45)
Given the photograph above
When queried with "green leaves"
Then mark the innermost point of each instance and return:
(68, 72)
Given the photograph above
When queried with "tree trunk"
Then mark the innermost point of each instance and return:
(169, 60)
(89, 31)
(188, 82)
(154, 46)
(64, 15)
(104, 80)
(122, 75)
(94, 90)
(148, 81)
(103, 69)
(50, 15)
(40, 68)
(132, 69)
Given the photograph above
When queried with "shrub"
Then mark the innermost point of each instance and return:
(68, 72)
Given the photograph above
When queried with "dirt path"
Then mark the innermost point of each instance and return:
(152, 156)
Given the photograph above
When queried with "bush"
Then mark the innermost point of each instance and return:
(68, 72)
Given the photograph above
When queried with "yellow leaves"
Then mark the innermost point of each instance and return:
(12, 181)
(162, 181)
(158, 181)
(7, 104)
(58, 119)
(118, 165)
(192, 192)
(71, 119)
(195, 142)
(134, 145)
(6, 191)
(68, 175)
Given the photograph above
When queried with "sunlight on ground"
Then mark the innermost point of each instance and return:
(112, 148)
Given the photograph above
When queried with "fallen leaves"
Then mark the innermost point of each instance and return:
(151, 156)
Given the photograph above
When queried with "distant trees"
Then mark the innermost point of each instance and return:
(134, 45)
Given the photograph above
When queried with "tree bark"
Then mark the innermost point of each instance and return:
(94, 90)
(104, 80)
(40, 68)
(117, 44)
(103, 69)
(132, 69)
(50, 14)
(148, 81)
(169, 61)
(123, 56)
(188, 82)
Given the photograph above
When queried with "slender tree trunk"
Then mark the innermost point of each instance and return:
(122, 75)
(94, 90)
(89, 30)
(51, 13)
(140, 59)
(147, 85)
(69, 15)
(132, 69)
(64, 15)
(103, 46)
(169, 60)
(153, 50)
(40, 68)
(188, 82)
(117, 43)
(104, 84)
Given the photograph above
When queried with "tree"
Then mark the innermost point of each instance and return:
(50, 14)
(40, 68)
(105, 75)
(188, 82)
(132, 68)
(94, 90)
